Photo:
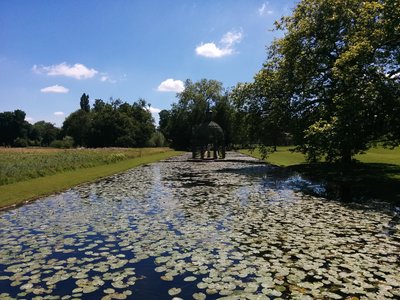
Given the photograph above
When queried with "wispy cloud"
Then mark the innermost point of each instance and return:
(263, 10)
(58, 89)
(29, 119)
(107, 78)
(58, 113)
(171, 85)
(77, 71)
(224, 47)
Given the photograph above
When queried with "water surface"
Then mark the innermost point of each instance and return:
(201, 230)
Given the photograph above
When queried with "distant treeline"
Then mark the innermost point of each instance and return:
(106, 124)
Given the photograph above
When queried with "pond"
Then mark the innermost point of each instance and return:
(206, 230)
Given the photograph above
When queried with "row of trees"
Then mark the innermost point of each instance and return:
(240, 125)
(330, 85)
(115, 123)
(15, 131)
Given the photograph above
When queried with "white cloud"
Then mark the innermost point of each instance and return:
(55, 89)
(262, 11)
(106, 78)
(29, 119)
(224, 49)
(171, 85)
(154, 110)
(58, 113)
(211, 50)
(77, 71)
(154, 113)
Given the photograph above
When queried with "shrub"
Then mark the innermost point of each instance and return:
(66, 143)
(20, 142)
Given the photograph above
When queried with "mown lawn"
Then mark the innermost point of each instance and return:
(282, 157)
(39, 172)
(375, 174)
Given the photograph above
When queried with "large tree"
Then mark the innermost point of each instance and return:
(78, 125)
(261, 111)
(13, 126)
(84, 103)
(44, 133)
(336, 73)
(178, 123)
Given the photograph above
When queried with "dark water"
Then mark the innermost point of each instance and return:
(199, 230)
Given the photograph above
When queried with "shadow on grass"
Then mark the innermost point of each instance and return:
(361, 183)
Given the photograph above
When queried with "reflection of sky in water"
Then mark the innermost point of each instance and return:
(209, 229)
(295, 183)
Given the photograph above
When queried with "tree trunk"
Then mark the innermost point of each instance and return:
(346, 159)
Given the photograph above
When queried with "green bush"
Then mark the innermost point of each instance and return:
(65, 143)
(20, 142)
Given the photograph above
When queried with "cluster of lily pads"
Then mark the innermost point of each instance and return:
(184, 230)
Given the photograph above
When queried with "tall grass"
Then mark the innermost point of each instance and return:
(19, 192)
(23, 164)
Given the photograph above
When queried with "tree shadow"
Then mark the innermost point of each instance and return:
(363, 182)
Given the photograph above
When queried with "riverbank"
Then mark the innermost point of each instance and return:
(374, 175)
(26, 190)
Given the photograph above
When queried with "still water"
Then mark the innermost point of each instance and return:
(205, 230)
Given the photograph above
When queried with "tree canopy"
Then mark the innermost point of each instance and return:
(112, 124)
(178, 123)
(107, 124)
(333, 77)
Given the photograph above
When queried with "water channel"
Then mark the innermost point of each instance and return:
(198, 230)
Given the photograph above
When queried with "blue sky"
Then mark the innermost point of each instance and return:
(53, 51)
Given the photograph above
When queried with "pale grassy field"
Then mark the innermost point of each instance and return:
(19, 164)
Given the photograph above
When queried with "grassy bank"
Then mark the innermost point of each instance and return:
(19, 192)
(282, 157)
(19, 164)
(376, 174)
(285, 157)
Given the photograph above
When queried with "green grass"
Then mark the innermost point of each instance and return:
(375, 174)
(19, 164)
(282, 157)
(380, 155)
(20, 192)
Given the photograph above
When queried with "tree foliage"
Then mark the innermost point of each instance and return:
(333, 77)
(85, 106)
(12, 127)
(113, 124)
(16, 132)
(178, 123)
(43, 133)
